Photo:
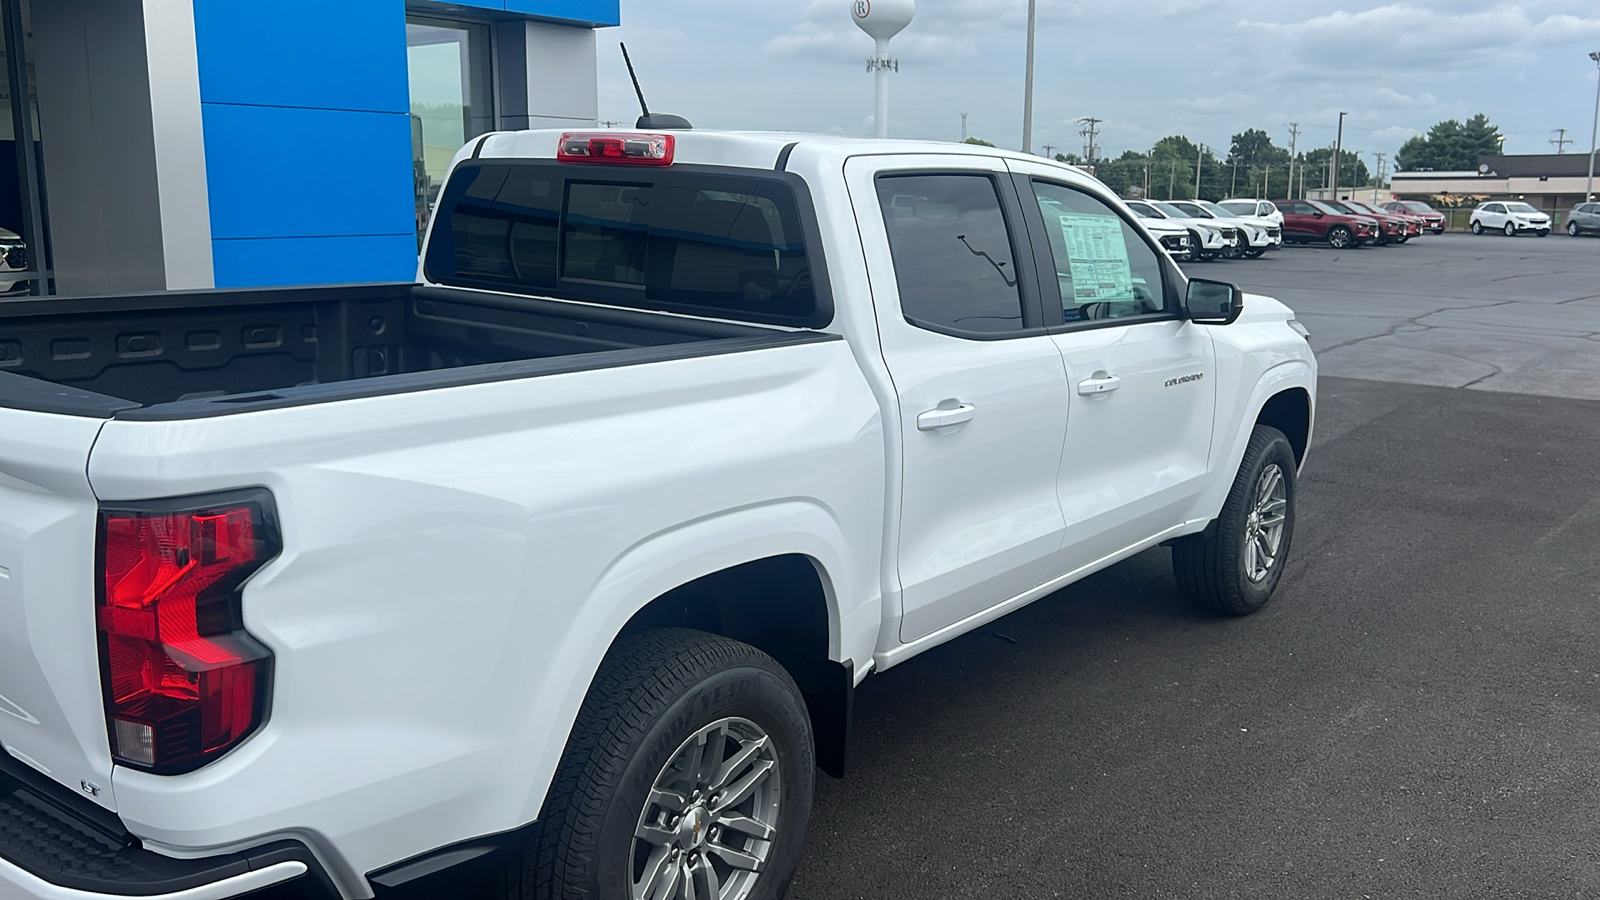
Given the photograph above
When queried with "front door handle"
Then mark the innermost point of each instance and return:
(1100, 384)
(939, 419)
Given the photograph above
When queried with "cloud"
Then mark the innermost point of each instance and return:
(1228, 102)
(944, 30)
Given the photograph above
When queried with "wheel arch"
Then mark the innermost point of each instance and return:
(1289, 411)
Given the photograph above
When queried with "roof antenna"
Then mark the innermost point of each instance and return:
(657, 122)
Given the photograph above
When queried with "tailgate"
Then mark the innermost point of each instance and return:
(52, 715)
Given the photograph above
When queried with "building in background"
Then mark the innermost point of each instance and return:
(235, 143)
(1551, 182)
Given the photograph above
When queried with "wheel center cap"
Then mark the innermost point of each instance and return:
(692, 830)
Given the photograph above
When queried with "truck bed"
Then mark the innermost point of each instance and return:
(201, 353)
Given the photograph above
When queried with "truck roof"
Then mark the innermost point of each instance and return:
(749, 149)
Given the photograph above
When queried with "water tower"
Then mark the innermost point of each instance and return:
(883, 19)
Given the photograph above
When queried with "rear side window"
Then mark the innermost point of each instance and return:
(722, 245)
(952, 253)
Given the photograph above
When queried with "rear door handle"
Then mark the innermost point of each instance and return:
(1104, 384)
(935, 419)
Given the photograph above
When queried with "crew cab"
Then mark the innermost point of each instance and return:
(566, 560)
(1312, 221)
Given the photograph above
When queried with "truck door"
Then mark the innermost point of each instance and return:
(1142, 379)
(981, 388)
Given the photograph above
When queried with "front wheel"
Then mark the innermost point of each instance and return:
(689, 774)
(1402, 238)
(1339, 237)
(1543, 232)
(1256, 252)
(1233, 566)
(1477, 227)
(1510, 230)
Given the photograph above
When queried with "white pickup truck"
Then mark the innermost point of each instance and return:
(564, 563)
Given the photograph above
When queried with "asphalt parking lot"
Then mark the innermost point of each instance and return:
(1417, 714)
(1520, 315)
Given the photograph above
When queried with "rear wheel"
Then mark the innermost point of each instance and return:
(1340, 237)
(1510, 230)
(689, 774)
(1572, 228)
(1233, 567)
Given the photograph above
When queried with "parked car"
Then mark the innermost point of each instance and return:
(1208, 238)
(1391, 228)
(1174, 238)
(1584, 219)
(1261, 234)
(568, 559)
(1431, 218)
(1261, 209)
(1308, 221)
(1510, 218)
(13, 258)
(1411, 226)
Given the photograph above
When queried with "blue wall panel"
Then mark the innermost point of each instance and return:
(278, 172)
(340, 260)
(320, 54)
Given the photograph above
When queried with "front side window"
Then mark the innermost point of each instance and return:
(1103, 265)
(952, 253)
(1266, 209)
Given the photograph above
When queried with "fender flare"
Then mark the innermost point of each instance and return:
(1287, 375)
(655, 566)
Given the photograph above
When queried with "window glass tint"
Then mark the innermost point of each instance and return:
(1266, 209)
(952, 252)
(1104, 267)
(1241, 207)
(726, 246)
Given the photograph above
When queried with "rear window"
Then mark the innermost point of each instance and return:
(713, 243)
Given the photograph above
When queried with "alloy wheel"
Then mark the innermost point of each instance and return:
(711, 817)
(1511, 230)
(1263, 530)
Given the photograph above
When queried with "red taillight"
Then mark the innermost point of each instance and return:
(184, 682)
(617, 149)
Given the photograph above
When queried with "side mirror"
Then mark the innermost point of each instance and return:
(1317, 213)
(1213, 302)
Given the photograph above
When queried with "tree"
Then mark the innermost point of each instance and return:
(1352, 171)
(1123, 174)
(1451, 146)
(978, 141)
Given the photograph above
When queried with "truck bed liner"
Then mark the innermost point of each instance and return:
(204, 353)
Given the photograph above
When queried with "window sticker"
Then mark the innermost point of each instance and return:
(1097, 256)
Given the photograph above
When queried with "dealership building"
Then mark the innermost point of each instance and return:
(184, 144)
(1551, 182)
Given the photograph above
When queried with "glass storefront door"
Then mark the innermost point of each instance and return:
(24, 245)
(451, 73)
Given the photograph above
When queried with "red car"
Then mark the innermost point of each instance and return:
(1307, 221)
(1413, 223)
(1391, 228)
(1432, 219)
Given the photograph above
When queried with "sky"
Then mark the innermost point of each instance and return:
(1206, 69)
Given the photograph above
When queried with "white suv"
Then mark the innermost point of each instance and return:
(1261, 209)
(1512, 217)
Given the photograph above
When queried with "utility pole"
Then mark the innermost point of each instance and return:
(1338, 148)
(963, 127)
(1266, 182)
(1199, 160)
(1091, 132)
(1561, 141)
(1377, 177)
(1049, 151)
(1027, 91)
(1172, 179)
(1588, 192)
(1294, 137)
(1233, 186)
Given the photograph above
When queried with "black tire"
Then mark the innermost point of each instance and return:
(653, 692)
(1510, 230)
(1210, 566)
(1477, 227)
(1255, 252)
(1402, 238)
(1543, 232)
(1572, 229)
(1340, 237)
